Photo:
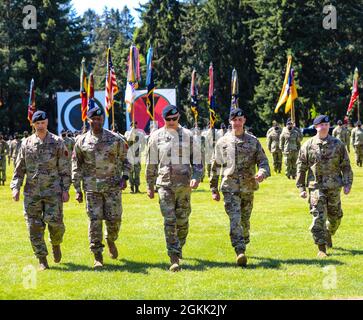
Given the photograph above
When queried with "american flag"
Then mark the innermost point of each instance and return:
(111, 84)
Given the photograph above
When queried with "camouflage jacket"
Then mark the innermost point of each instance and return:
(236, 158)
(136, 140)
(357, 136)
(327, 163)
(69, 143)
(273, 140)
(15, 145)
(342, 134)
(99, 162)
(290, 140)
(173, 158)
(45, 164)
(4, 149)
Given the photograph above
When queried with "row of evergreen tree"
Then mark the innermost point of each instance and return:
(253, 36)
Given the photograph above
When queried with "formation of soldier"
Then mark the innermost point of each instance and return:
(100, 162)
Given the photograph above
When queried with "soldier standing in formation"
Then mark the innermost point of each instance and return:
(174, 167)
(341, 132)
(4, 151)
(326, 162)
(43, 159)
(273, 144)
(238, 153)
(99, 161)
(136, 140)
(357, 142)
(14, 148)
(290, 142)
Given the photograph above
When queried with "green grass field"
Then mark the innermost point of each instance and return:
(282, 256)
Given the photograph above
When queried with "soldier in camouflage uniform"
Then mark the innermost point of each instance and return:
(326, 162)
(340, 132)
(99, 161)
(210, 140)
(136, 141)
(290, 142)
(4, 151)
(173, 166)
(238, 153)
(14, 148)
(273, 144)
(43, 158)
(357, 142)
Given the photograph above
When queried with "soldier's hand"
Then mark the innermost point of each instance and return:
(151, 193)
(259, 177)
(303, 194)
(16, 194)
(123, 184)
(79, 197)
(216, 196)
(65, 196)
(346, 190)
(194, 184)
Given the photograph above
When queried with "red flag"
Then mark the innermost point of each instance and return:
(83, 91)
(355, 91)
(31, 104)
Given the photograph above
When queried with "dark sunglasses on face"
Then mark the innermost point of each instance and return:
(171, 119)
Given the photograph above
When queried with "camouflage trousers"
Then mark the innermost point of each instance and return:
(277, 160)
(135, 175)
(175, 208)
(239, 206)
(358, 150)
(325, 207)
(39, 211)
(103, 206)
(209, 166)
(3, 168)
(290, 163)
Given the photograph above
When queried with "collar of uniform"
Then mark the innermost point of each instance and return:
(320, 141)
(38, 140)
(97, 135)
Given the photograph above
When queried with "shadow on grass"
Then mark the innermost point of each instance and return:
(347, 252)
(195, 264)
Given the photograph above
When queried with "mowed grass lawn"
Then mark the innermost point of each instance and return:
(282, 257)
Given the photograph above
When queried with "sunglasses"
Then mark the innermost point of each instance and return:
(171, 119)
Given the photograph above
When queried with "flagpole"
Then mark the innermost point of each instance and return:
(358, 109)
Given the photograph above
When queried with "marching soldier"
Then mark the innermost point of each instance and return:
(43, 159)
(340, 132)
(99, 161)
(326, 162)
(238, 153)
(173, 167)
(4, 151)
(273, 144)
(136, 140)
(290, 141)
(357, 142)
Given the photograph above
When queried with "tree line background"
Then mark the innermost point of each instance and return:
(253, 36)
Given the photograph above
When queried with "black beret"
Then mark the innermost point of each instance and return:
(340, 122)
(170, 110)
(38, 116)
(95, 111)
(359, 123)
(321, 119)
(288, 121)
(236, 112)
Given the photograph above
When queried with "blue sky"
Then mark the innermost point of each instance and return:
(98, 5)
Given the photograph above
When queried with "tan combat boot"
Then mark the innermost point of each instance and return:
(43, 264)
(241, 260)
(112, 249)
(98, 263)
(174, 259)
(57, 253)
(322, 251)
